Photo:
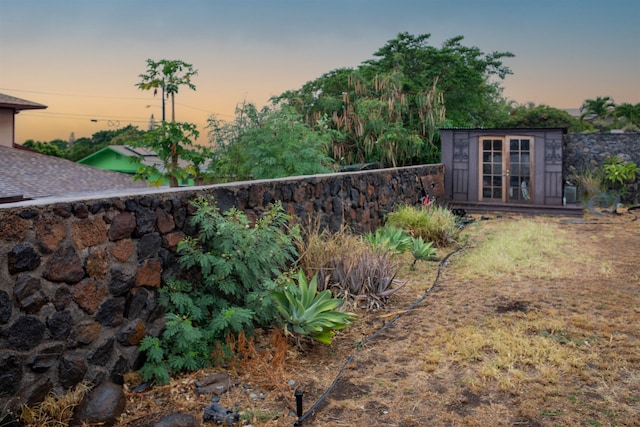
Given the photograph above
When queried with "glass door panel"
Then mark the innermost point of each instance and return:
(492, 169)
(519, 190)
(505, 169)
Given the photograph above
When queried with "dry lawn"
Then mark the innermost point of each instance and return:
(535, 322)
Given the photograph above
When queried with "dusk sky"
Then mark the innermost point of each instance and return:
(82, 58)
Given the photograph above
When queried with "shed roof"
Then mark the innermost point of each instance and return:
(7, 101)
(27, 174)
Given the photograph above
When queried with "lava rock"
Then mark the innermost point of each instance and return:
(178, 420)
(101, 406)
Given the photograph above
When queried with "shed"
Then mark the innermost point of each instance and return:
(514, 169)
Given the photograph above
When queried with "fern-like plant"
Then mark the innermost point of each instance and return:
(307, 312)
(232, 268)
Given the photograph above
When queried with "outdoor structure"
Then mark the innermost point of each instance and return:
(516, 170)
(9, 107)
(27, 174)
(123, 158)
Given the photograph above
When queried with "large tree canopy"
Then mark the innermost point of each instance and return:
(389, 107)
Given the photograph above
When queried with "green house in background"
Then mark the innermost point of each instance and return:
(122, 158)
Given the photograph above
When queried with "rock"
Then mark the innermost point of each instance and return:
(132, 333)
(164, 221)
(64, 266)
(148, 246)
(22, 257)
(80, 210)
(10, 373)
(122, 250)
(219, 414)
(14, 228)
(89, 233)
(145, 221)
(149, 273)
(88, 294)
(60, 324)
(121, 282)
(178, 420)
(45, 358)
(50, 232)
(103, 353)
(98, 264)
(6, 307)
(28, 293)
(101, 406)
(111, 312)
(62, 209)
(71, 369)
(84, 333)
(36, 391)
(216, 384)
(122, 226)
(25, 333)
(62, 298)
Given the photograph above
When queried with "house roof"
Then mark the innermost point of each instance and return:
(7, 101)
(27, 175)
(147, 157)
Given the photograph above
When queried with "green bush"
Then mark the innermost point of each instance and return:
(435, 224)
(233, 267)
(307, 312)
(619, 173)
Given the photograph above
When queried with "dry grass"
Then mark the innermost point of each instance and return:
(54, 410)
(549, 338)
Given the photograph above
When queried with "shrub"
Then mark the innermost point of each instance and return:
(307, 312)
(232, 268)
(619, 173)
(435, 224)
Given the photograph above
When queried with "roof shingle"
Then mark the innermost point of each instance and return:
(33, 175)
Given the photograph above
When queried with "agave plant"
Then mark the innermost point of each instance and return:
(307, 312)
(389, 238)
(422, 251)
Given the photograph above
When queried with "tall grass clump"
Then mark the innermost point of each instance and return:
(589, 183)
(435, 224)
(348, 265)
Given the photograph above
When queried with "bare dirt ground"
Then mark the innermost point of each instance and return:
(520, 350)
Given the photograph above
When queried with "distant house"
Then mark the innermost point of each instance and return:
(9, 107)
(517, 170)
(26, 174)
(124, 158)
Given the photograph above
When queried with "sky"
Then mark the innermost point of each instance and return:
(82, 58)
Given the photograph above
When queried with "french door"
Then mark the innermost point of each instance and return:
(506, 169)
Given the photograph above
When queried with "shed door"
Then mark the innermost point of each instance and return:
(506, 169)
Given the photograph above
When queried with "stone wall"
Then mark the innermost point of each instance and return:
(79, 278)
(588, 151)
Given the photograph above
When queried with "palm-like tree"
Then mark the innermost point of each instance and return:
(601, 107)
(629, 112)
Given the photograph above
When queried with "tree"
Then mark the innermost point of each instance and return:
(168, 75)
(629, 115)
(172, 142)
(268, 143)
(417, 83)
(601, 107)
(538, 116)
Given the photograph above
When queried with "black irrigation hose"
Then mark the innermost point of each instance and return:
(302, 417)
